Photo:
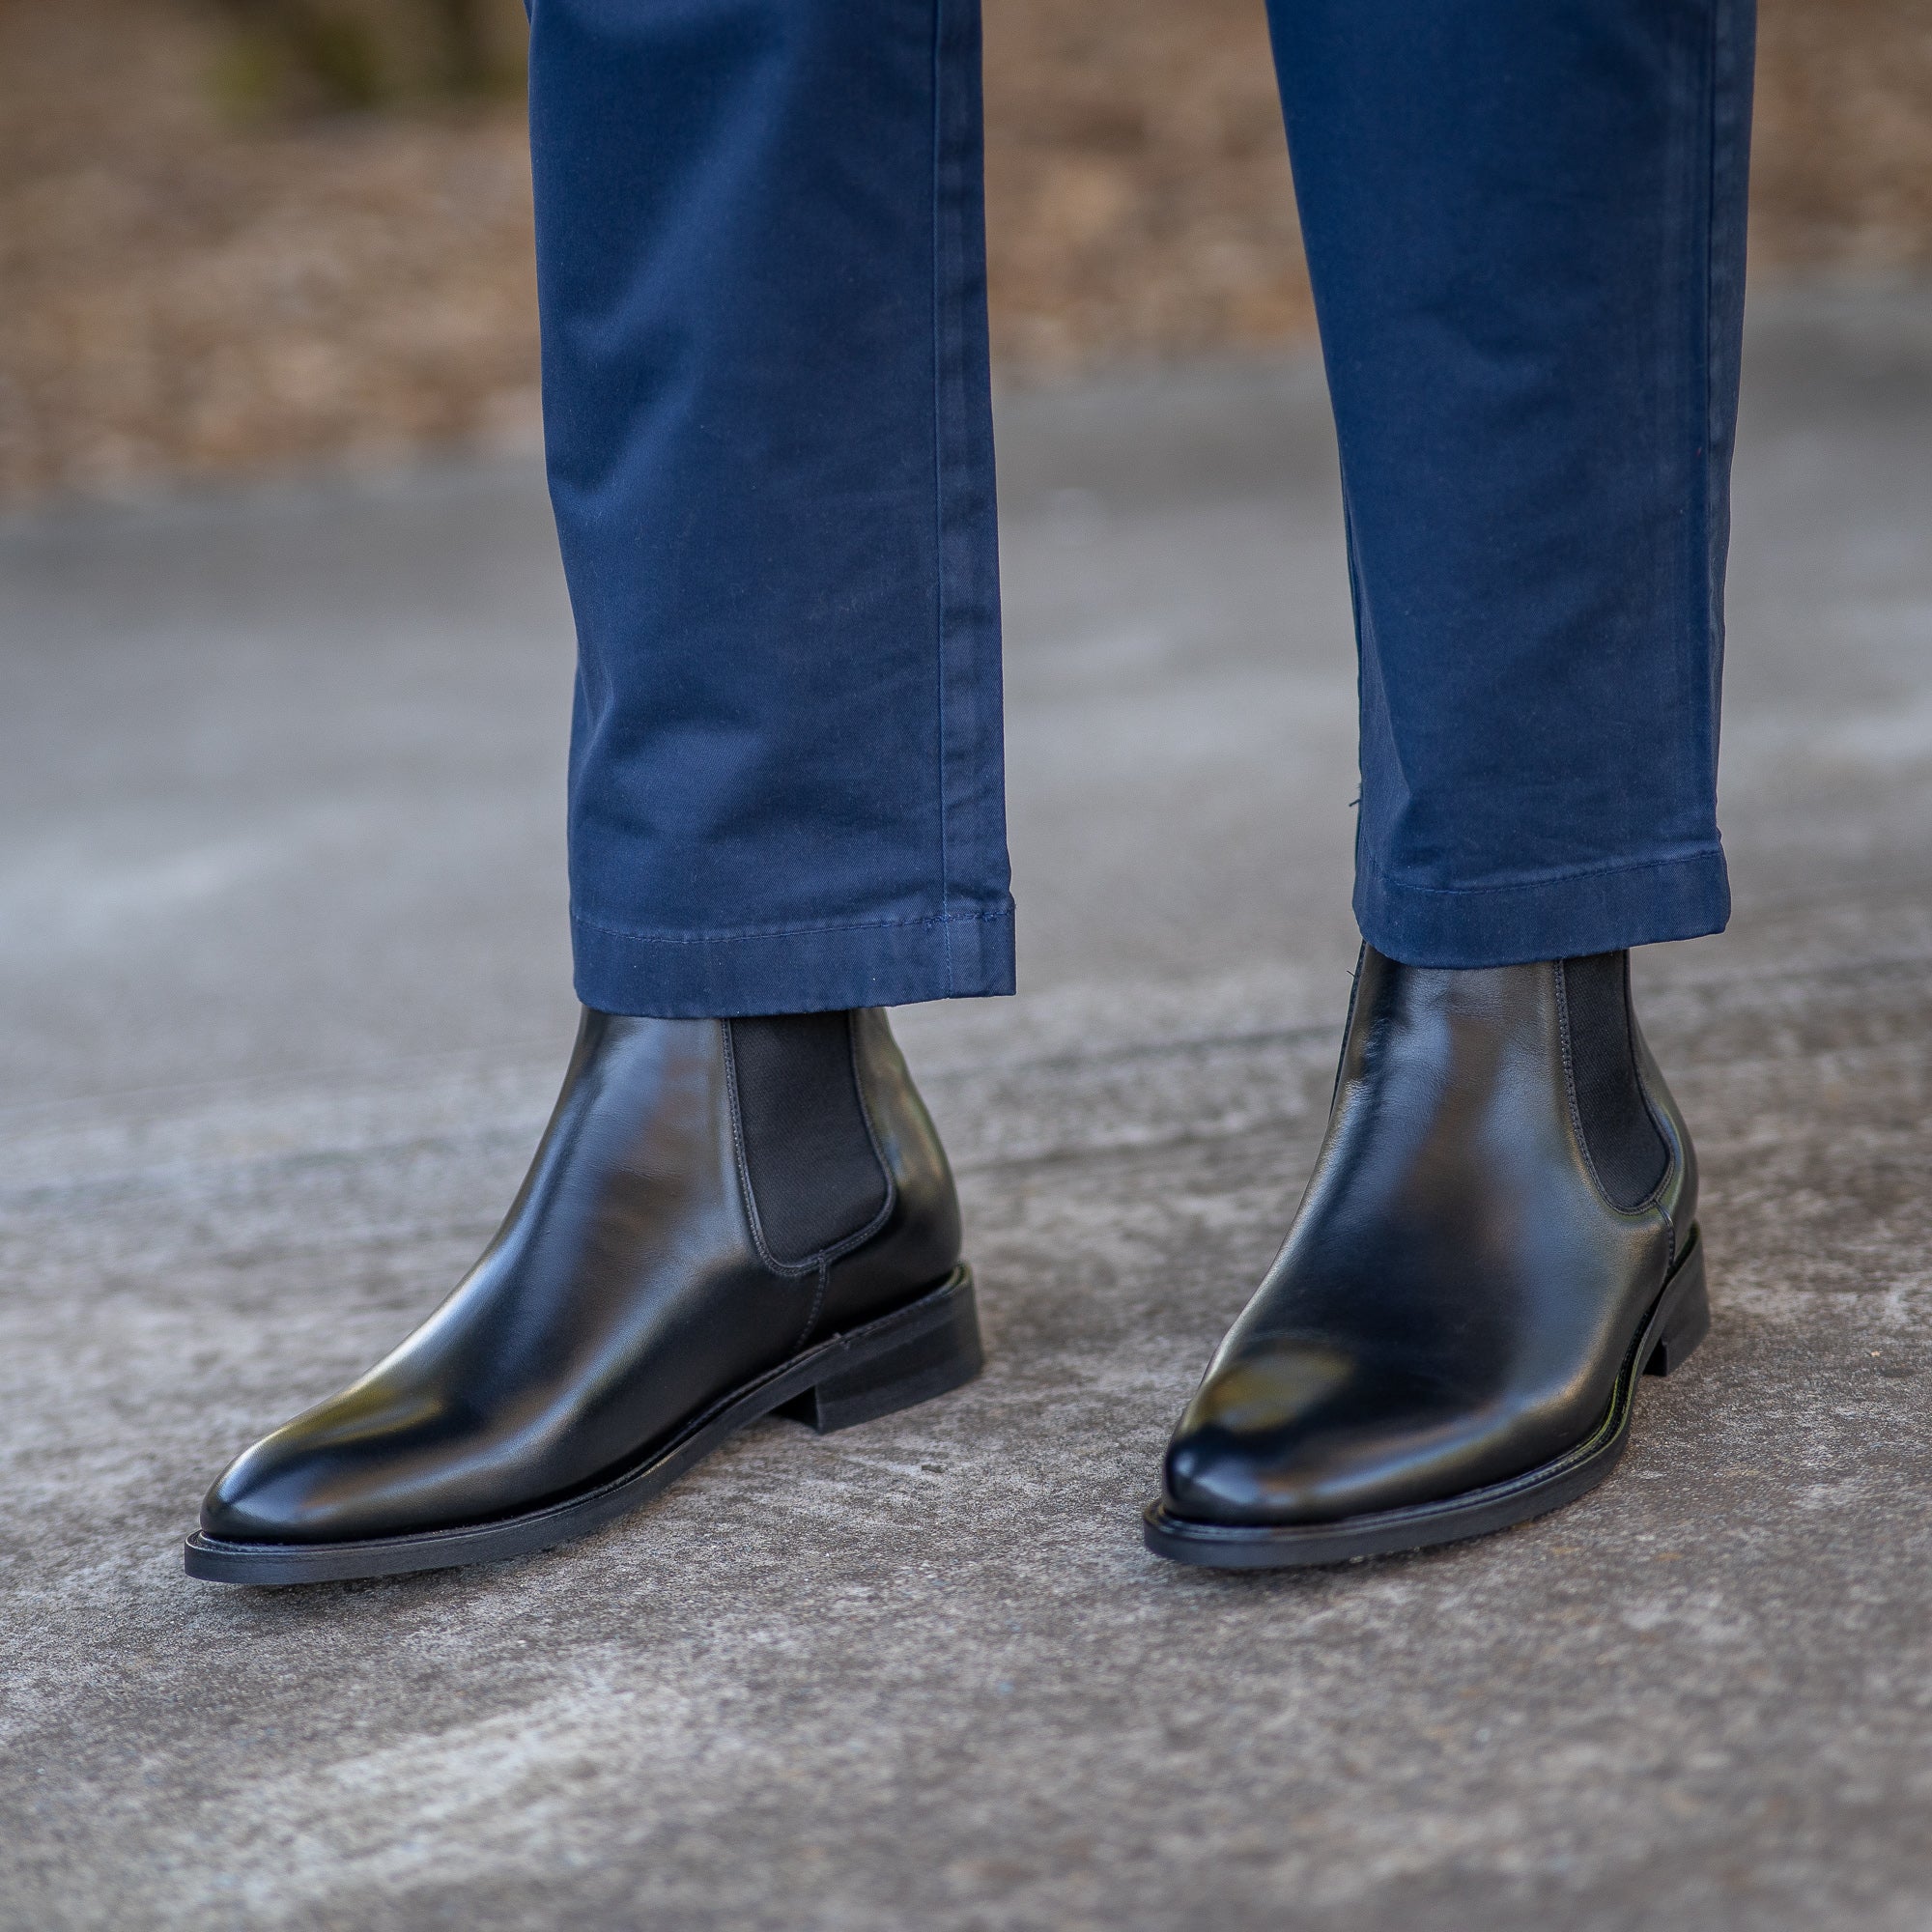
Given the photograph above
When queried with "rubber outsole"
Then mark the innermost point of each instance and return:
(1679, 1320)
(909, 1356)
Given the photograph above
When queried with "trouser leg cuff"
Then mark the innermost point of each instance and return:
(1561, 918)
(802, 970)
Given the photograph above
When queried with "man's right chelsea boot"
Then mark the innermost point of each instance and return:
(1499, 1241)
(724, 1218)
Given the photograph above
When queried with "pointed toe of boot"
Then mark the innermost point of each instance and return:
(1209, 1476)
(1302, 1434)
(1250, 1447)
(257, 1499)
(345, 1470)
(278, 1491)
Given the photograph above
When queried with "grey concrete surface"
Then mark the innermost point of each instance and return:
(282, 993)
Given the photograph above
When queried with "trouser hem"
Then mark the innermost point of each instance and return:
(1544, 918)
(803, 970)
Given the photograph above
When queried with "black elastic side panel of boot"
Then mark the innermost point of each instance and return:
(1625, 1144)
(815, 1175)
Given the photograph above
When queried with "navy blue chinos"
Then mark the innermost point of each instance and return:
(761, 267)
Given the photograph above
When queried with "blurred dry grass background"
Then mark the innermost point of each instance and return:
(209, 265)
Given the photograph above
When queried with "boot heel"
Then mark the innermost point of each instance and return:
(912, 1363)
(1690, 1319)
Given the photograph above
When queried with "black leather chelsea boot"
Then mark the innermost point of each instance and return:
(724, 1218)
(1499, 1238)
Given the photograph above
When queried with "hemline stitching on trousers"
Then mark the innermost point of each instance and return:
(787, 931)
(1553, 879)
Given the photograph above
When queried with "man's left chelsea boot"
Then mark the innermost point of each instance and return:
(1499, 1241)
(724, 1218)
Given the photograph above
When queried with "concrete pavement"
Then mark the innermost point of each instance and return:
(283, 994)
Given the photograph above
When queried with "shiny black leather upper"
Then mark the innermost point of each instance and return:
(1459, 1290)
(629, 1287)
